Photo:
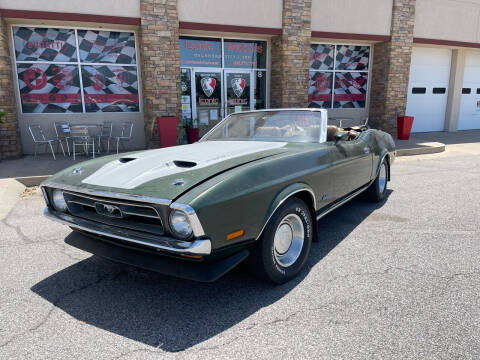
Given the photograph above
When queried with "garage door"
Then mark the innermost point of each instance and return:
(428, 88)
(469, 117)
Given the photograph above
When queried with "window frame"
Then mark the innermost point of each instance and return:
(333, 71)
(78, 63)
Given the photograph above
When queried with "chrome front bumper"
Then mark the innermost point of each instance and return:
(196, 247)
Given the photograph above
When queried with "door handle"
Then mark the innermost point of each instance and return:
(366, 150)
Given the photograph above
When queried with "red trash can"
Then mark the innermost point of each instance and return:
(192, 135)
(167, 130)
(404, 126)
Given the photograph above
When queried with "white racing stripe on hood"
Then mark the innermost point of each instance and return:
(152, 164)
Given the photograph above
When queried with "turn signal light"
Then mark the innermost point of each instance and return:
(235, 234)
(193, 256)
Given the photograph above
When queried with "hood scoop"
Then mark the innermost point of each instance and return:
(126, 160)
(184, 164)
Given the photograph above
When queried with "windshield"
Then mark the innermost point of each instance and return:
(275, 125)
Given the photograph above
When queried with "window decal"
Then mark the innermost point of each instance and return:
(111, 47)
(200, 52)
(109, 88)
(351, 57)
(242, 54)
(321, 57)
(341, 70)
(51, 69)
(320, 89)
(42, 44)
(350, 89)
(49, 88)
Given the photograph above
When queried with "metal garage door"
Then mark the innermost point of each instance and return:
(469, 117)
(428, 88)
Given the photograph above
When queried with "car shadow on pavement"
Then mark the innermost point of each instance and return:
(174, 314)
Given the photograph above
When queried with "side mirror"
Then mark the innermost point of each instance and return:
(341, 135)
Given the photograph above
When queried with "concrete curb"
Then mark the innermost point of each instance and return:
(428, 148)
(10, 192)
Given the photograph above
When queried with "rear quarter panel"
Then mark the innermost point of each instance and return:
(381, 144)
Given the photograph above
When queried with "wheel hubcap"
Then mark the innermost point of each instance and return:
(288, 240)
(382, 180)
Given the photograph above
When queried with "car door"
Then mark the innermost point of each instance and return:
(351, 166)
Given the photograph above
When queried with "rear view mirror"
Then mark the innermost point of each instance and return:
(341, 135)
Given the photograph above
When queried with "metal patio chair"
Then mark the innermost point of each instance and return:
(62, 131)
(125, 134)
(105, 134)
(81, 137)
(39, 138)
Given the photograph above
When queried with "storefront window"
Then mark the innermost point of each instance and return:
(50, 67)
(200, 52)
(244, 54)
(222, 76)
(47, 88)
(338, 76)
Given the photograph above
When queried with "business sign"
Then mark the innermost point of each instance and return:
(200, 52)
(208, 89)
(238, 89)
(242, 54)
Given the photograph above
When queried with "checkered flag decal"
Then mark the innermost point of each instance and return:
(350, 90)
(320, 89)
(321, 57)
(110, 88)
(107, 47)
(350, 57)
(49, 88)
(42, 44)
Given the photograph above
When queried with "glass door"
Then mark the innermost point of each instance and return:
(239, 89)
(207, 97)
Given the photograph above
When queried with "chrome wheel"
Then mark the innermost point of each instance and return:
(288, 240)
(382, 178)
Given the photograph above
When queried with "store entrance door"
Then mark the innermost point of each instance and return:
(207, 97)
(239, 90)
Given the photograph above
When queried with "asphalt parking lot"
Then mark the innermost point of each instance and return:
(396, 280)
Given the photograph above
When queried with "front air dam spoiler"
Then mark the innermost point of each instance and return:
(196, 271)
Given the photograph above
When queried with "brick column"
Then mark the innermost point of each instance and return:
(161, 64)
(391, 69)
(290, 56)
(9, 133)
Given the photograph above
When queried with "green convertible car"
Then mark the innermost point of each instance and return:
(251, 189)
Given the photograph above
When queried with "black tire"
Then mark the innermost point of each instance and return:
(377, 191)
(264, 260)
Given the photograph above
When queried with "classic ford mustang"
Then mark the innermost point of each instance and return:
(252, 188)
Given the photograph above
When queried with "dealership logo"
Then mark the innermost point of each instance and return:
(238, 85)
(108, 210)
(208, 85)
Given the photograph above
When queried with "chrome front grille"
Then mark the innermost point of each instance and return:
(122, 214)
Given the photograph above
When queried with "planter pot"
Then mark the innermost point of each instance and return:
(404, 126)
(192, 135)
(167, 130)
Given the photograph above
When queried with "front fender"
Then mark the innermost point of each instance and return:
(283, 195)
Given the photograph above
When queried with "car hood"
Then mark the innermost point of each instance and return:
(165, 173)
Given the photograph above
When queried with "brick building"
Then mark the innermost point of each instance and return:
(86, 62)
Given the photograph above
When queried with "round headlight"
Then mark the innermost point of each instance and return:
(180, 224)
(58, 200)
